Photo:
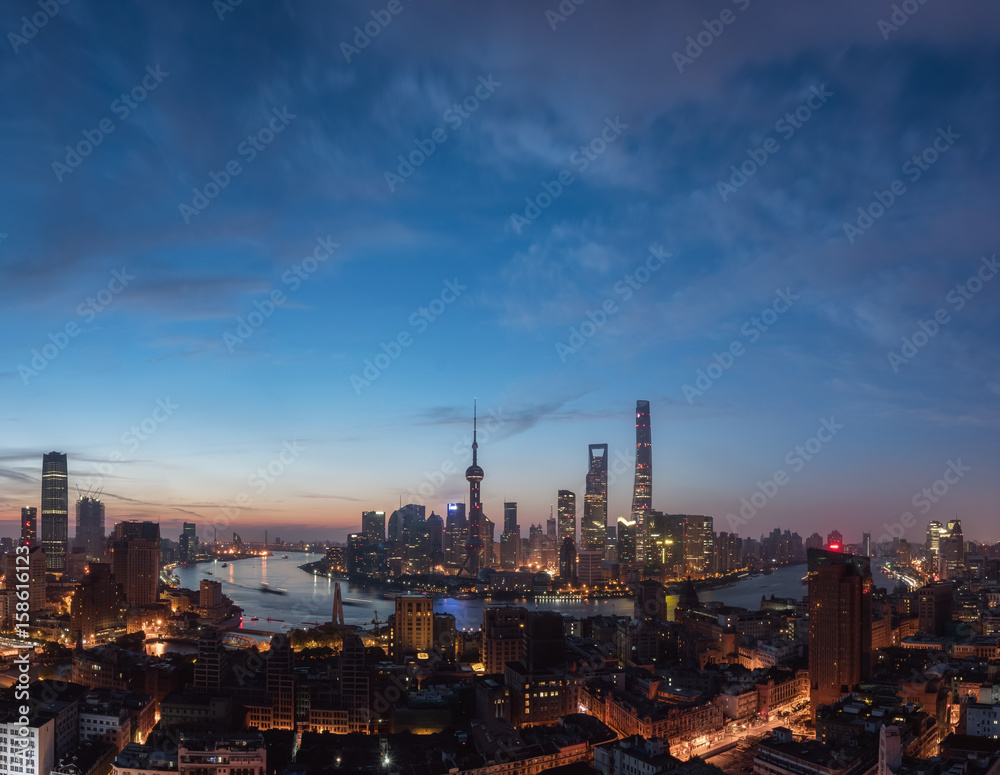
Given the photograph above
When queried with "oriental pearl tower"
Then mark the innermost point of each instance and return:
(474, 545)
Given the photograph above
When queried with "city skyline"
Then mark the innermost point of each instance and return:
(717, 229)
(909, 527)
(313, 310)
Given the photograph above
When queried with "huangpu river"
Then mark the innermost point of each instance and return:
(309, 599)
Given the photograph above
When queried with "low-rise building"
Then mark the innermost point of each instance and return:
(781, 755)
(634, 715)
(781, 689)
(539, 696)
(982, 720)
(244, 754)
(137, 759)
(739, 702)
(634, 756)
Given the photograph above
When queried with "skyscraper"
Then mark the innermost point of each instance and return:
(188, 542)
(728, 551)
(279, 682)
(354, 683)
(29, 526)
(503, 636)
(611, 552)
(626, 542)
(55, 510)
(642, 495)
(487, 531)
(952, 550)
(544, 641)
(566, 516)
(212, 664)
(567, 561)
(840, 624)
(90, 528)
(135, 560)
(456, 530)
(934, 607)
(97, 611)
(934, 531)
(699, 543)
(435, 529)
(594, 528)
(474, 545)
(412, 627)
(362, 555)
(510, 539)
(373, 525)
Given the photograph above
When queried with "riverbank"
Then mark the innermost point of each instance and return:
(451, 586)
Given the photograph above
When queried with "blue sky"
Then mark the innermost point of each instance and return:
(471, 291)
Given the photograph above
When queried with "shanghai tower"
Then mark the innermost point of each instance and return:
(642, 495)
(55, 511)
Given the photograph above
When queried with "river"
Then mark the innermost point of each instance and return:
(784, 582)
(309, 598)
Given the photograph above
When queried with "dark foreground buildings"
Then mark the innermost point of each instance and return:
(840, 624)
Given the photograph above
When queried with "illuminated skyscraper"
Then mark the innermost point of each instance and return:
(510, 539)
(412, 627)
(594, 527)
(474, 545)
(728, 549)
(566, 516)
(188, 542)
(952, 550)
(29, 526)
(642, 496)
(934, 531)
(55, 510)
(90, 528)
(626, 542)
(840, 624)
(699, 543)
(373, 525)
(456, 531)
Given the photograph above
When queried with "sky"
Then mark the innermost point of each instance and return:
(258, 259)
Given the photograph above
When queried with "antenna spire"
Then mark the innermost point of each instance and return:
(475, 444)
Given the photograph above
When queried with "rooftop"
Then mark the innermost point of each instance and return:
(145, 757)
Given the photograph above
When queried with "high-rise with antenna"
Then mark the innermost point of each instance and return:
(474, 544)
(90, 527)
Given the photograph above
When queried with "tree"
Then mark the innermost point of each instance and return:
(133, 641)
